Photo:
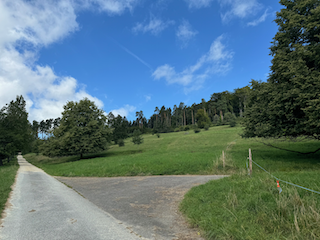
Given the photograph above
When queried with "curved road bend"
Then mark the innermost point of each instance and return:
(44, 208)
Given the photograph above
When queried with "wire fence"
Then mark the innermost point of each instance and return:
(278, 179)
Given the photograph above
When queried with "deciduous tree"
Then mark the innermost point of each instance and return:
(288, 104)
(82, 130)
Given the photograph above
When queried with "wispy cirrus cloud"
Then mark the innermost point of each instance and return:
(148, 98)
(185, 33)
(239, 9)
(260, 19)
(198, 3)
(216, 61)
(28, 26)
(154, 25)
(112, 7)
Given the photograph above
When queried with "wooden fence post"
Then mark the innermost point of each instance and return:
(250, 161)
(223, 161)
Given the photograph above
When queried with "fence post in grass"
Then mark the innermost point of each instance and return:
(223, 161)
(250, 161)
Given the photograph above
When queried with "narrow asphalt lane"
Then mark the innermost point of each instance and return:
(41, 207)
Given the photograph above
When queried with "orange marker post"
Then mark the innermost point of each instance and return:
(278, 187)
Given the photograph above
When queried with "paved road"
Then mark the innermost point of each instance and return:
(149, 206)
(43, 208)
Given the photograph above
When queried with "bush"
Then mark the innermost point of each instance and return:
(233, 123)
(206, 127)
(158, 135)
(202, 118)
(120, 142)
(230, 119)
(137, 139)
(196, 130)
(186, 128)
(177, 130)
(216, 120)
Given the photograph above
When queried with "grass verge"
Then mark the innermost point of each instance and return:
(243, 207)
(7, 176)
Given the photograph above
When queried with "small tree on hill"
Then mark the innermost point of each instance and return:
(137, 138)
(202, 118)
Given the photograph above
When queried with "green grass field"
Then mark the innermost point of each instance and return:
(7, 177)
(236, 207)
(172, 153)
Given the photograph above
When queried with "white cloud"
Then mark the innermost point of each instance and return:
(185, 32)
(216, 61)
(110, 6)
(124, 111)
(259, 20)
(148, 98)
(155, 26)
(26, 27)
(198, 3)
(239, 8)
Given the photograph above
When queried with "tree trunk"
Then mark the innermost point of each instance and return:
(81, 155)
(221, 115)
(240, 107)
(192, 117)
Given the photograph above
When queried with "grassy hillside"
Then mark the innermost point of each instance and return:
(7, 177)
(172, 153)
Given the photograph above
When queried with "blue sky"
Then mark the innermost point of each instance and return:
(131, 55)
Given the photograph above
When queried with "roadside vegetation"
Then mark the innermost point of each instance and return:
(244, 207)
(7, 178)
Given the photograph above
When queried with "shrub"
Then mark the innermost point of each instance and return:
(206, 127)
(177, 130)
(230, 119)
(137, 139)
(216, 120)
(120, 142)
(202, 118)
(186, 128)
(196, 130)
(158, 135)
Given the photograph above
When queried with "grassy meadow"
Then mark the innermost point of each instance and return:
(171, 154)
(7, 177)
(236, 207)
